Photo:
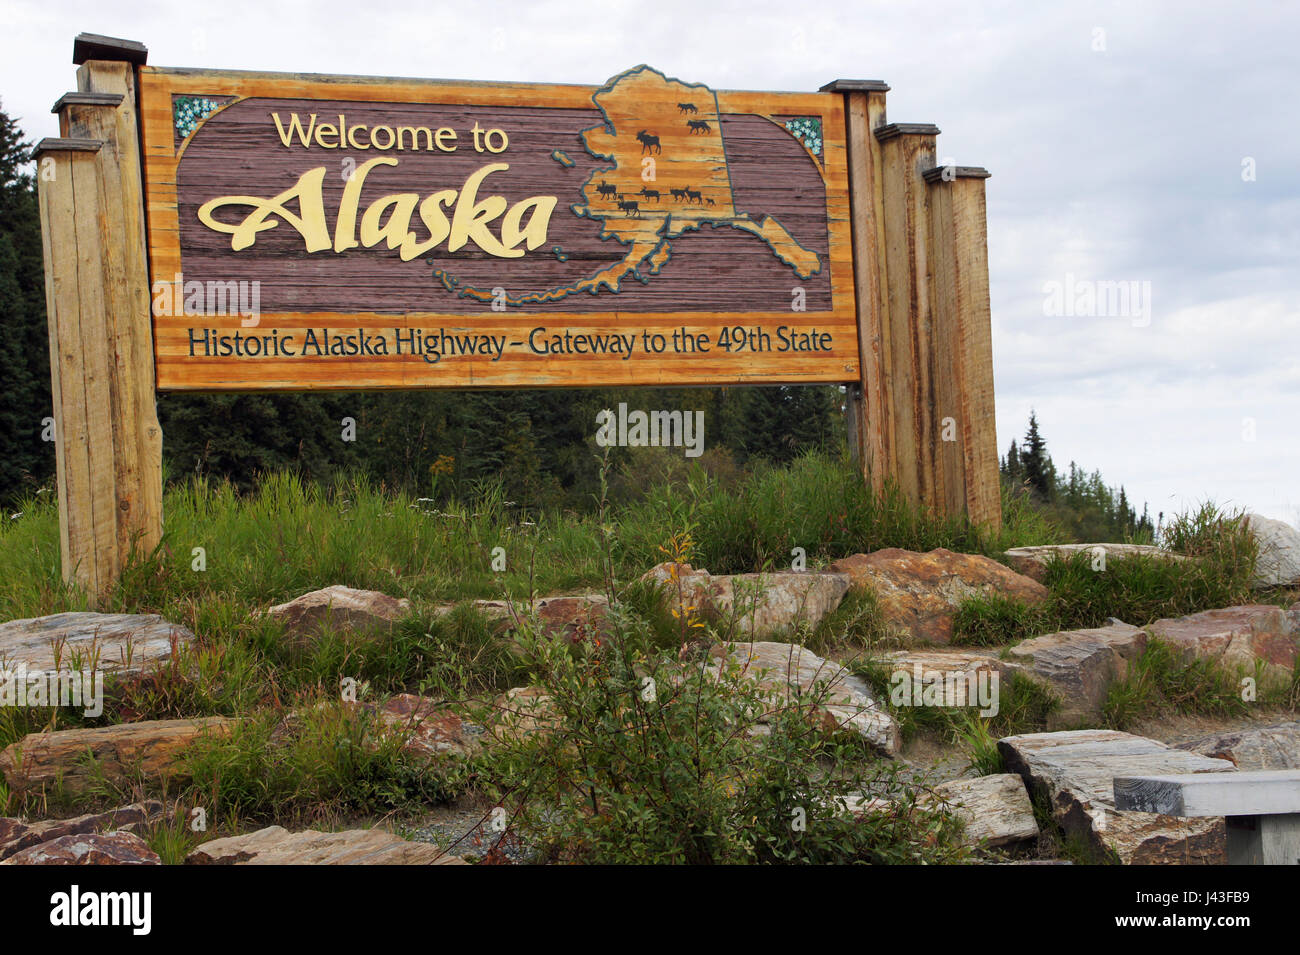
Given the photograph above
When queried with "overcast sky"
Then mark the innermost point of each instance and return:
(1155, 143)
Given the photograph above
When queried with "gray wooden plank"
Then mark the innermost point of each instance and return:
(1258, 793)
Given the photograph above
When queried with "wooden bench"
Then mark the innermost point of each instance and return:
(1261, 808)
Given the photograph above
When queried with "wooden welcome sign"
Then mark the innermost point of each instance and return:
(421, 234)
(229, 231)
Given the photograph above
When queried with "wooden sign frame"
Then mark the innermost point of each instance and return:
(908, 296)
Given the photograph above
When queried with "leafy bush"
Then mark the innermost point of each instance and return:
(649, 757)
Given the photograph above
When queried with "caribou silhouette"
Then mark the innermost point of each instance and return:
(678, 194)
(648, 142)
(629, 207)
(606, 190)
(692, 195)
(648, 193)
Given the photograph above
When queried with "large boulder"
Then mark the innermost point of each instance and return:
(1236, 637)
(341, 609)
(16, 835)
(115, 643)
(788, 671)
(1033, 561)
(1075, 772)
(1278, 564)
(96, 848)
(1264, 747)
(121, 753)
(1080, 666)
(920, 594)
(275, 845)
(761, 606)
(996, 809)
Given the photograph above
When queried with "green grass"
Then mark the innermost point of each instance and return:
(1139, 589)
(1024, 706)
(1161, 681)
(287, 537)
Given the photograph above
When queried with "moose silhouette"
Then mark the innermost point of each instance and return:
(606, 190)
(699, 126)
(648, 142)
(649, 193)
(687, 108)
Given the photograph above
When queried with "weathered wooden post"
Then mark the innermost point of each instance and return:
(922, 414)
(108, 442)
(870, 430)
(966, 466)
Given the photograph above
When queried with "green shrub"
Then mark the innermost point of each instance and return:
(667, 771)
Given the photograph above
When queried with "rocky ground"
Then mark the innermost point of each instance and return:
(1049, 796)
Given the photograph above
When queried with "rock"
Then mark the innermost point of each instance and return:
(275, 845)
(1080, 665)
(996, 809)
(1075, 772)
(1237, 637)
(577, 616)
(16, 835)
(428, 726)
(1267, 747)
(1278, 564)
(788, 669)
(950, 669)
(770, 605)
(1033, 561)
(119, 752)
(523, 710)
(920, 593)
(117, 643)
(95, 848)
(342, 609)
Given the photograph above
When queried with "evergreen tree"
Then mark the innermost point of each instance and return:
(26, 461)
(1036, 461)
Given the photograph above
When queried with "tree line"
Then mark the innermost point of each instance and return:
(1080, 502)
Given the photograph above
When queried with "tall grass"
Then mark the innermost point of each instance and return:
(288, 536)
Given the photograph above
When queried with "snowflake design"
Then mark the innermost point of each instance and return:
(189, 111)
(808, 130)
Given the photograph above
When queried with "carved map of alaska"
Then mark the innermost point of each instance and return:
(669, 176)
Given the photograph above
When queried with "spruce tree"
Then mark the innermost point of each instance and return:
(1038, 469)
(26, 461)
